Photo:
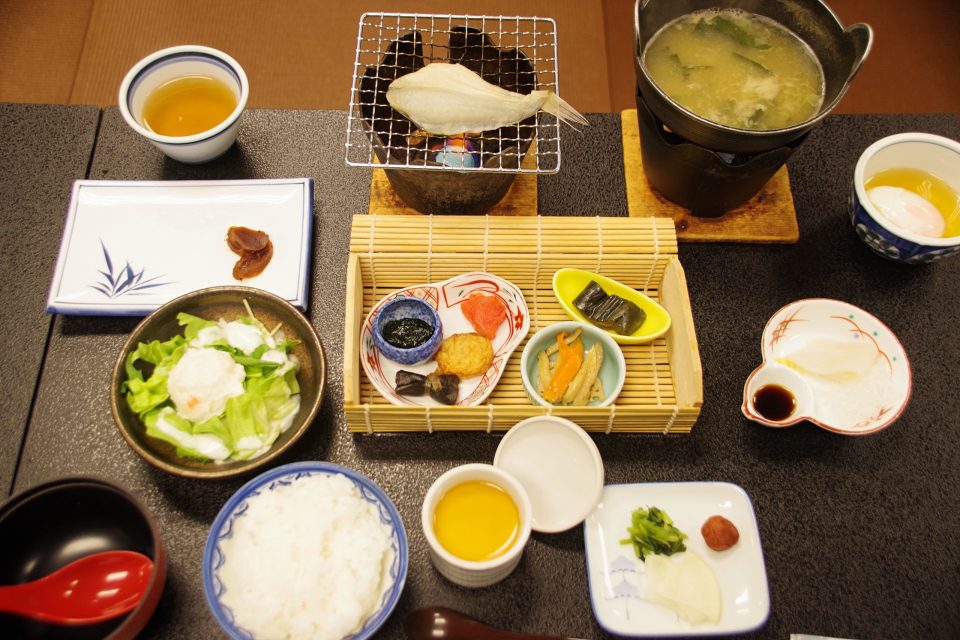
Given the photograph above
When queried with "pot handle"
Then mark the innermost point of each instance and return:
(860, 37)
(636, 25)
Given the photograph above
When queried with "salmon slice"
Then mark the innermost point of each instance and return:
(485, 313)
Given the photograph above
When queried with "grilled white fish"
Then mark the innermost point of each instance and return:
(448, 99)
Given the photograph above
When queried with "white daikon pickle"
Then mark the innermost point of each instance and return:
(837, 360)
(448, 99)
(685, 584)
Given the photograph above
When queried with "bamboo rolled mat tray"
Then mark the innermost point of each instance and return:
(663, 392)
(769, 217)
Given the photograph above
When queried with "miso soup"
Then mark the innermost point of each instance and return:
(737, 69)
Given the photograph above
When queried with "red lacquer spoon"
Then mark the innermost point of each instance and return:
(92, 589)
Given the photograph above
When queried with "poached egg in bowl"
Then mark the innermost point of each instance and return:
(202, 381)
(222, 391)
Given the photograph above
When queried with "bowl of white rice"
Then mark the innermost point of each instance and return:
(305, 550)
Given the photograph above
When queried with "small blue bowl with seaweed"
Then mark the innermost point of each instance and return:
(407, 330)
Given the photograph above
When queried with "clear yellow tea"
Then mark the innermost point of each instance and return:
(188, 105)
(476, 521)
(909, 213)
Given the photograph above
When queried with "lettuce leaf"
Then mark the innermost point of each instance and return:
(193, 324)
(206, 431)
(250, 422)
(145, 395)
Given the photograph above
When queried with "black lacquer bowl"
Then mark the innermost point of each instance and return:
(56, 523)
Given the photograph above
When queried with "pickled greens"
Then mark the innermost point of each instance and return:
(222, 391)
(652, 532)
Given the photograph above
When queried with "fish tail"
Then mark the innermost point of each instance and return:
(563, 111)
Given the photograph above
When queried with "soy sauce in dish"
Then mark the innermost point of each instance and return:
(407, 333)
(774, 402)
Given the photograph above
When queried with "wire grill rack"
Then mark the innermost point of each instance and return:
(516, 53)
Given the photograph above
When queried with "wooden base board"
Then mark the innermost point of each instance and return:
(520, 199)
(769, 217)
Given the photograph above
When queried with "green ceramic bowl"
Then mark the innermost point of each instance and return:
(613, 370)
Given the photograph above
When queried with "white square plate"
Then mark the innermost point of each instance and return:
(129, 247)
(616, 575)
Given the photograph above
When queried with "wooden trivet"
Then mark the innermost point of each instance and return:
(520, 199)
(769, 217)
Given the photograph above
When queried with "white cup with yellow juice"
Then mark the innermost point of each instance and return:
(476, 519)
(186, 100)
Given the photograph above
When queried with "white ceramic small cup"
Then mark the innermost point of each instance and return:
(167, 64)
(468, 573)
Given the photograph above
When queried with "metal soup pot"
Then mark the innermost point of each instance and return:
(840, 52)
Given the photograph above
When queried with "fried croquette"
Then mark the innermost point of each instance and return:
(465, 355)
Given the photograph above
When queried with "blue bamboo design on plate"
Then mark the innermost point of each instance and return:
(124, 281)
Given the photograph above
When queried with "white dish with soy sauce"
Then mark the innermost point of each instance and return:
(830, 363)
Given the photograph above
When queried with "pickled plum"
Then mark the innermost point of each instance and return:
(254, 248)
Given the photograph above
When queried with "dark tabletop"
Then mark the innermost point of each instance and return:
(44, 149)
(859, 534)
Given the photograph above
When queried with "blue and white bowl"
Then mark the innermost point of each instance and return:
(215, 560)
(408, 307)
(933, 154)
(175, 62)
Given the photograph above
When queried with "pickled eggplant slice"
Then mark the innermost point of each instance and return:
(409, 383)
(592, 295)
(443, 387)
(617, 314)
(610, 312)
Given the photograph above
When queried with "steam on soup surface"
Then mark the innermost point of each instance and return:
(737, 69)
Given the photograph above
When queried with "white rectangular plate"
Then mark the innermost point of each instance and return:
(616, 575)
(129, 247)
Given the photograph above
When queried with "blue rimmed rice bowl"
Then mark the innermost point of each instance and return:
(259, 580)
